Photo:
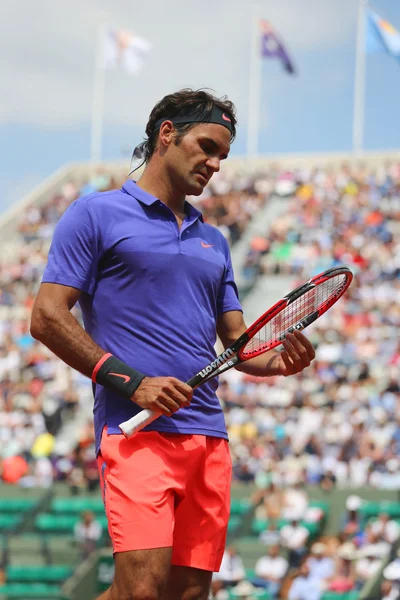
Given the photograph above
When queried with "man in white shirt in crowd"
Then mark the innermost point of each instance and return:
(270, 536)
(295, 500)
(304, 587)
(320, 565)
(231, 571)
(367, 565)
(386, 528)
(87, 533)
(390, 589)
(294, 538)
(270, 570)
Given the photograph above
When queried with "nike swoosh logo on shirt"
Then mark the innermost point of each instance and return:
(126, 378)
(207, 245)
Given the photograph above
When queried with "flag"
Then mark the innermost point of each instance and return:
(381, 36)
(272, 47)
(126, 50)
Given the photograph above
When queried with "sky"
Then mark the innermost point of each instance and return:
(47, 59)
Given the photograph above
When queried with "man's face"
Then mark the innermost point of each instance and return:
(197, 156)
(384, 517)
(304, 570)
(87, 518)
(274, 551)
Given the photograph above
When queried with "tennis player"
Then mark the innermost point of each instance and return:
(155, 285)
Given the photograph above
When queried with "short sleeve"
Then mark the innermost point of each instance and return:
(75, 248)
(228, 297)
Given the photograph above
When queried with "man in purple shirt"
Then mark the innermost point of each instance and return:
(155, 285)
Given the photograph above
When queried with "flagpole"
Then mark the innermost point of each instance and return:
(359, 83)
(253, 120)
(98, 98)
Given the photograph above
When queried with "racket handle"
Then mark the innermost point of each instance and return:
(136, 423)
(146, 416)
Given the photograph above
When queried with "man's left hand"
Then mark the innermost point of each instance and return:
(297, 355)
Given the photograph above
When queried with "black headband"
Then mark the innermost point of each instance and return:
(217, 116)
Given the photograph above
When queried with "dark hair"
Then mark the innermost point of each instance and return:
(181, 103)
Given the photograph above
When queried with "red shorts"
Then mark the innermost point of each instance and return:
(163, 490)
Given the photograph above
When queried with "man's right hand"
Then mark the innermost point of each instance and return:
(164, 395)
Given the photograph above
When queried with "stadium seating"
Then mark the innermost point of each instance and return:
(234, 522)
(17, 505)
(240, 506)
(259, 525)
(31, 590)
(64, 523)
(38, 574)
(372, 509)
(77, 505)
(352, 595)
(9, 521)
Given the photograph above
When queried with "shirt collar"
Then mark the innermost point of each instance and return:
(131, 188)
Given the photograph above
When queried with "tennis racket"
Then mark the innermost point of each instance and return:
(296, 310)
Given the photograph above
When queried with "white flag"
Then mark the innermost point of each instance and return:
(126, 50)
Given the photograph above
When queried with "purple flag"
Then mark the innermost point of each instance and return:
(272, 47)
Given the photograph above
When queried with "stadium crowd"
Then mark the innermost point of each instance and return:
(340, 563)
(38, 394)
(339, 421)
(336, 424)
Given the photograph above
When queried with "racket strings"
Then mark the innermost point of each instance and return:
(295, 312)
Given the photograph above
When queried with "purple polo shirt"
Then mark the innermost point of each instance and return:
(151, 295)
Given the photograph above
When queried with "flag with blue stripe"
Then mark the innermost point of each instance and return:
(381, 36)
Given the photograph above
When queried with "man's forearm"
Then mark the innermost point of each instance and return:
(64, 336)
(264, 365)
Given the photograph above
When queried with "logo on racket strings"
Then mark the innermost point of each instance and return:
(299, 326)
(217, 363)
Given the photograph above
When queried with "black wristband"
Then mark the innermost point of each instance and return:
(114, 374)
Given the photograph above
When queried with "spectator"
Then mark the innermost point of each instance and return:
(294, 538)
(392, 570)
(351, 526)
(270, 508)
(304, 586)
(320, 565)
(343, 579)
(391, 583)
(295, 501)
(13, 469)
(389, 591)
(270, 571)
(244, 590)
(87, 533)
(375, 542)
(367, 565)
(388, 529)
(270, 536)
(231, 571)
(328, 481)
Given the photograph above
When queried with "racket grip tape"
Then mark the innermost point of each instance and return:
(136, 423)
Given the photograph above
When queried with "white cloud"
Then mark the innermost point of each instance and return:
(47, 52)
